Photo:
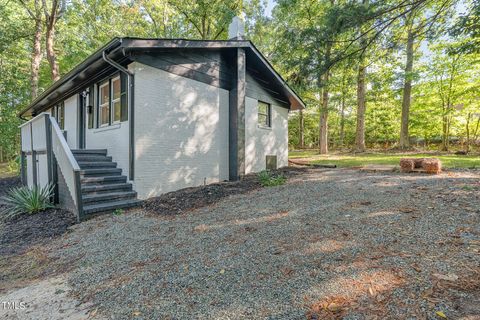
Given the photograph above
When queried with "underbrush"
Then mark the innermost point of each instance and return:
(270, 179)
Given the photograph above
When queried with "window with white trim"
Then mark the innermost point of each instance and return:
(264, 114)
(116, 103)
(112, 105)
(104, 104)
(58, 112)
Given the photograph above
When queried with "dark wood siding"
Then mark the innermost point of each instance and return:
(207, 66)
(260, 89)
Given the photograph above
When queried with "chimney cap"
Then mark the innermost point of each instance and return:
(236, 29)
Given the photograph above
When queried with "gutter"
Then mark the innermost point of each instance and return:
(131, 111)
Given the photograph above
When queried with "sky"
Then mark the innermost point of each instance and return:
(268, 9)
(461, 8)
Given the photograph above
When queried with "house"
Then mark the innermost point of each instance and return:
(142, 117)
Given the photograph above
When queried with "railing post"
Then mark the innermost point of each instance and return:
(34, 157)
(48, 136)
(23, 173)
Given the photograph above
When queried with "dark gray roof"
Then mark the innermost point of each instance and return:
(94, 67)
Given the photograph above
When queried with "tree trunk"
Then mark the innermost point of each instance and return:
(445, 130)
(301, 131)
(36, 58)
(323, 127)
(51, 55)
(323, 134)
(342, 121)
(361, 108)
(407, 93)
(361, 104)
(467, 147)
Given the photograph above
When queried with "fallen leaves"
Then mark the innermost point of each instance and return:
(446, 277)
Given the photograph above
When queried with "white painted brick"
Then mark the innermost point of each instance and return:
(260, 142)
(181, 132)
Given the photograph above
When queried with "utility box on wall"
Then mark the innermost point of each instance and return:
(271, 162)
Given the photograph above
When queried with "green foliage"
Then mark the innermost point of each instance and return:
(342, 160)
(13, 166)
(118, 212)
(25, 200)
(269, 179)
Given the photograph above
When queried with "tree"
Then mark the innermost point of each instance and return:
(35, 13)
(407, 86)
(53, 13)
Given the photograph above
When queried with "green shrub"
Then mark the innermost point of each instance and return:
(269, 179)
(23, 200)
(118, 212)
(14, 165)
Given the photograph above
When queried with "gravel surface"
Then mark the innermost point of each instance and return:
(330, 244)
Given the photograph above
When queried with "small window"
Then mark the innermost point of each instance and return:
(116, 103)
(104, 104)
(264, 114)
(58, 112)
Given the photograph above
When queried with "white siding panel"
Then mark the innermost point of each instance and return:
(260, 142)
(181, 132)
(29, 168)
(42, 170)
(71, 114)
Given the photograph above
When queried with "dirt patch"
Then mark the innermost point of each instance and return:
(47, 299)
(18, 234)
(184, 200)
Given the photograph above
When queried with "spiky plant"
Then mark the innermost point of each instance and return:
(25, 200)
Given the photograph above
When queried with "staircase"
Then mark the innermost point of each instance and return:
(102, 184)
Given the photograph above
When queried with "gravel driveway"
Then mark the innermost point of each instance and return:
(330, 244)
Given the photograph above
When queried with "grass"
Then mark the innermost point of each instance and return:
(6, 170)
(354, 160)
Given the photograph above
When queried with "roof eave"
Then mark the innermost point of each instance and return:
(72, 73)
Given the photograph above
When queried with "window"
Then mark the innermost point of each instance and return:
(264, 114)
(58, 112)
(104, 104)
(116, 103)
(112, 101)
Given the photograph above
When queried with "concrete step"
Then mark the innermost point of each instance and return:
(90, 199)
(89, 152)
(102, 180)
(110, 206)
(100, 172)
(92, 158)
(96, 164)
(106, 188)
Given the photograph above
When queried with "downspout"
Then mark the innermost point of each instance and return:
(131, 112)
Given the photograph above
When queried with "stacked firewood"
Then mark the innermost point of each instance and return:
(428, 165)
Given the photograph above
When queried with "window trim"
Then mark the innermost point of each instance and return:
(112, 101)
(104, 105)
(268, 114)
(122, 100)
(59, 109)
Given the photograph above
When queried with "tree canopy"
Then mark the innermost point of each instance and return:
(372, 73)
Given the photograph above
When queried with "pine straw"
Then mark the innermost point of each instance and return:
(371, 294)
